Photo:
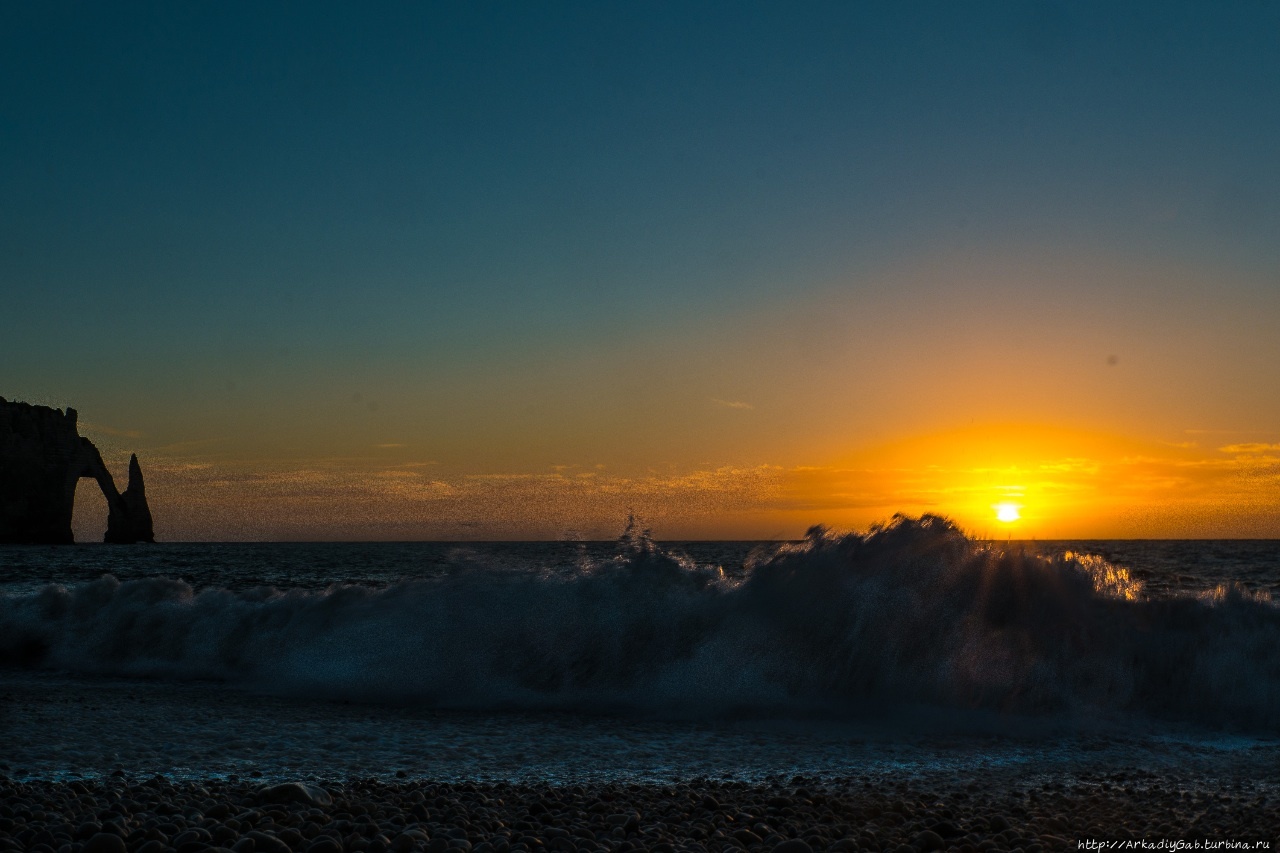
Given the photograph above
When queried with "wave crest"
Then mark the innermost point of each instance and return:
(912, 611)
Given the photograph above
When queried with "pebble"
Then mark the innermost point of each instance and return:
(420, 816)
(104, 842)
(264, 843)
(794, 845)
(928, 840)
(295, 792)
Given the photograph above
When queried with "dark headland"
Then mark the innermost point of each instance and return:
(42, 457)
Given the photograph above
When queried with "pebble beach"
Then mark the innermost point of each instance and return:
(247, 772)
(792, 816)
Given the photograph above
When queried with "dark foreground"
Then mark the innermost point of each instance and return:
(1049, 813)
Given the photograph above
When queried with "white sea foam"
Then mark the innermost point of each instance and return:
(911, 613)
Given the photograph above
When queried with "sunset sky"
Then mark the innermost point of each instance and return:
(513, 270)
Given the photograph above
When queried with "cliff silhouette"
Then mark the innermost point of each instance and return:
(42, 457)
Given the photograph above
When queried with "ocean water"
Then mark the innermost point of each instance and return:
(908, 649)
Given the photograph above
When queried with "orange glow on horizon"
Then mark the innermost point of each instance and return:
(1037, 481)
(1081, 484)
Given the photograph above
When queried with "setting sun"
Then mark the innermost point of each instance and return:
(1007, 512)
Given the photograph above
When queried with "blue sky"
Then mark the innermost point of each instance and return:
(221, 221)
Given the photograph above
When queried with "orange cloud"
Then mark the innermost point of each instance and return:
(1252, 447)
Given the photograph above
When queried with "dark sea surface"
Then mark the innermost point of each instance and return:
(909, 649)
(1166, 566)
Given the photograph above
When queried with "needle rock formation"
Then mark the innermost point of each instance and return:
(42, 457)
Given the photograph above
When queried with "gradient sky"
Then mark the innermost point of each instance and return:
(513, 270)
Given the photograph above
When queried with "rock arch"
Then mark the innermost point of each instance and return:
(42, 457)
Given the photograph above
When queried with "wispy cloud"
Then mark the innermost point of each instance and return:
(106, 430)
(1251, 447)
(325, 499)
(731, 404)
(177, 467)
(181, 447)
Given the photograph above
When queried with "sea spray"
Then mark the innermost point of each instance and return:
(912, 612)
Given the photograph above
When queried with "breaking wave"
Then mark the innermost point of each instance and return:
(911, 612)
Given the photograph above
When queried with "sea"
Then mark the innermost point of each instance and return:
(907, 649)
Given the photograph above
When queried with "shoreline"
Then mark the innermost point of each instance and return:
(62, 727)
(999, 811)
